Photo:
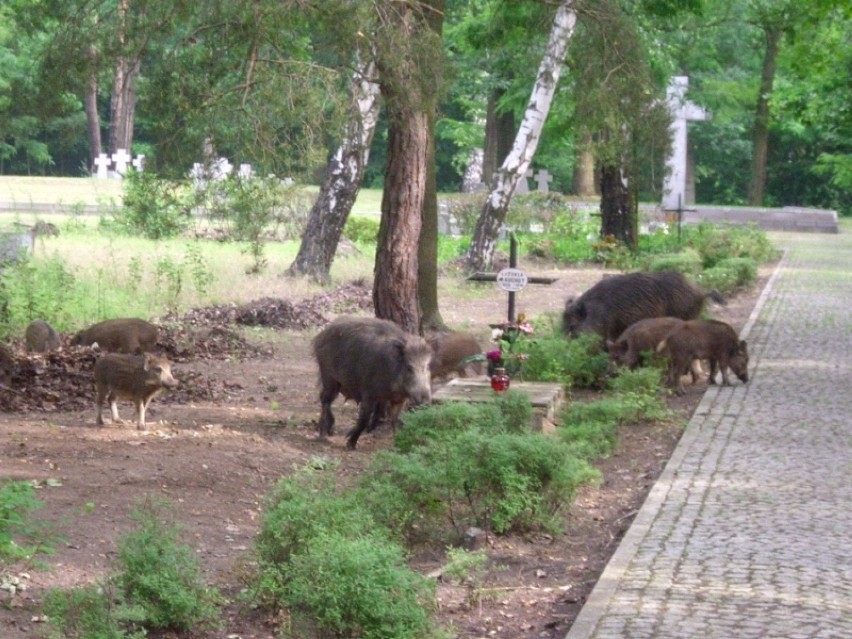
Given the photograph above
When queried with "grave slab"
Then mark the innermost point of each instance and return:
(547, 397)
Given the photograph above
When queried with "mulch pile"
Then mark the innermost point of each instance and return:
(62, 380)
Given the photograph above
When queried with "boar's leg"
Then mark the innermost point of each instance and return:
(369, 407)
(101, 396)
(112, 398)
(328, 394)
(141, 405)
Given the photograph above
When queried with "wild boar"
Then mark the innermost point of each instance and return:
(137, 378)
(120, 335)
(374, 362)
(7, 366)
(712, 340)
(641, 339)
(616, 302)
(41, 338)
(449, 349)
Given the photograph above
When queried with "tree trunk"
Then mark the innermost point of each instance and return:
(619, 207)
(341, 182)
(499, 137)
(493, 213)
(584, 168)
(395, 291)
(123, 104)
(760, 148)
(93, 120)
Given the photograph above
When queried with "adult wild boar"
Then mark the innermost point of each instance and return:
(41, 338)
(449, 349)
(120, 335)
(138, 378)
(712, 340)
(642, 338)
(374, 362)
(616, 302)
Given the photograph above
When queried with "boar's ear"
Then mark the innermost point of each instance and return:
(743, 346)
(146, 361)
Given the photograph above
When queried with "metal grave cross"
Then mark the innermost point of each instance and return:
(511, 279)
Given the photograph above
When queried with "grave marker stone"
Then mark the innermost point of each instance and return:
(542, 179)
(139, 163)
(523, 186)
(102, 163)
(121, 158)
(674, 187)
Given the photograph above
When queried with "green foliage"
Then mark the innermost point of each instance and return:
(358, 587)
(90, 612)
(361, 229)
(31, 290)
(469, 464)
(468, 568)
(687, 262)
(161, 576)
(715, 243)
(590, 428)
(744, 267)
(723, 279)
(17, 502)
(153, 207)
(578, 362)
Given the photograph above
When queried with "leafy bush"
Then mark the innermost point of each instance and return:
(471, 464)
(346, 586)
(17, 502)
(91, 612)
(579, 362)
(745, 268)
(154, 207)
(361, 229)
(687, 262)
(161, 576)
(715, 243)
(32, 290)
(723, 279)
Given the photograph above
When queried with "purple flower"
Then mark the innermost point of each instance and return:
(494, 356)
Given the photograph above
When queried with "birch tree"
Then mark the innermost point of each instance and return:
(514, 167)
(341, 181)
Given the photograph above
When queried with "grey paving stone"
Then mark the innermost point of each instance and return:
(747, 531)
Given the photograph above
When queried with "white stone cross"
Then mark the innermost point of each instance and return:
(221, 169)
(139, 163)
(245, 171)
(121, 158)
(542, 178)
(523, 187)
(102, 163)
(674, 187)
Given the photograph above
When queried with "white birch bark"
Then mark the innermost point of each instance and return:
(341, 182)
(519, 158)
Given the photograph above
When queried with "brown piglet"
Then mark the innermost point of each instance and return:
(120, 335)
(449, 350)
(712, 340)
(137, 378)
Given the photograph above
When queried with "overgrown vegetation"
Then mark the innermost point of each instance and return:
(21, 537)
(157, 585)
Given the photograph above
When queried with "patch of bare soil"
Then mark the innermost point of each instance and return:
(244, 416)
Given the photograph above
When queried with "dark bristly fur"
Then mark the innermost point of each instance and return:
(120, 335)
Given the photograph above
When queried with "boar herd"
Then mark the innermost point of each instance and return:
(642, 317)
(656, 315)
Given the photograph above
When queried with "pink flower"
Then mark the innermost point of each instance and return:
(495, 355)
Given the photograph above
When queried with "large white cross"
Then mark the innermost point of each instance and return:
(121, 157)
(674, 187)
(102, 163)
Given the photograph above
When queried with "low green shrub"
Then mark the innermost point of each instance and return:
(161, 576)
(153, 207)
(723, 279)
(361, 229)
(91, 612)
(745, 268)
(716, 243)
(357, 587)
(579, 362)
(20, 536)
(687, 262)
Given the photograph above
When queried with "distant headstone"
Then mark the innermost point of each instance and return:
(102, 163)
(543, 178)
(121, 159)
(198, 175)
(221, 169)
(139, 163)
(674, 188)
(472, 178)
(523, 186)
(245, 171)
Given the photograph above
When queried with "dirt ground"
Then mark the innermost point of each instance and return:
(244, 417)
